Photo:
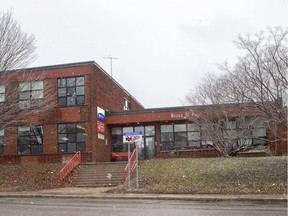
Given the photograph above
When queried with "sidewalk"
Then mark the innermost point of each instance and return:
(102, 193)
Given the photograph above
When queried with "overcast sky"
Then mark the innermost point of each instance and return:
(163, 47)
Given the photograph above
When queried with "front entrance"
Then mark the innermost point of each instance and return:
(146, 147)
(149, 147)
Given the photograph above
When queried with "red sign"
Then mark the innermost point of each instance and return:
(100, 127)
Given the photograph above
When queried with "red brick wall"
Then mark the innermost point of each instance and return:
(100, 90)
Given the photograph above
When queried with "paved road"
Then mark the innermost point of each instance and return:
(113, 207)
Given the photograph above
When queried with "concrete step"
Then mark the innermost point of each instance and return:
(99, 175)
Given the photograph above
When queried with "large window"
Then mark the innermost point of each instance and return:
(71, 91)
(1, 142)
(2, 95)
(71, 137)
(180, 136)
(30, 140)
(31, 94)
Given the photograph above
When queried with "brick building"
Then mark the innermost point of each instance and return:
(85, 109)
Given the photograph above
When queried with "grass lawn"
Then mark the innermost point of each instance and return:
(262, 175)
(29, 177)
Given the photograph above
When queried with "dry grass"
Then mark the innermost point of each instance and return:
(263, 175)
(29, 177)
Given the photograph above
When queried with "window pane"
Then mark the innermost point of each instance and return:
(167, 146)
(196, 144)
(37, 85)
(37, 149)
(2, 97)
(1, 133)
(166, 128)
(193, 135)
(24, 86)
(80, 127)
(139, 129)
(71, 137)
(71, 147)
(80, 99)
(127, 129)
(62, 147)
(62, 92)
(149, 130)
(79, 81)
(80, 147)
(259, 132)
(182, 143)
(37, 94)
(193, 127)
(62, 101)
(62, 82)
(62, 138)
(80, 90)
(180, 136)
(71, 128)
(80, 137)
(71, 81)
(259, 141)
(166, 137)
(23, 150)
(23, 131)
(117, 130)
(2, 88)
(24, 95)
(23, 140)
(179, 127)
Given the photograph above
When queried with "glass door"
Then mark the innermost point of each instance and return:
(149, 151)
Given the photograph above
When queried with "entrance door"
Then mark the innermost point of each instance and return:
(149, 147)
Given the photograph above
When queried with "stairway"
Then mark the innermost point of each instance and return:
(106, 174)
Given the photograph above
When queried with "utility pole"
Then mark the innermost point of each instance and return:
(111, 59)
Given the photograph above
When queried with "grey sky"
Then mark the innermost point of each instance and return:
(163, 47)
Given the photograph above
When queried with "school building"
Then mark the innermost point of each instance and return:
(86, 110)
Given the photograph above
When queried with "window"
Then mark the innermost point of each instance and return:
(259, 136)
(71, 91)
(127, 105)
(30, 140)
(2, 95)
(71, 137)
(31, 94)
(1, 142)
(179, 136)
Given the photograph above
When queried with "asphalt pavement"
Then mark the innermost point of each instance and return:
(105, 193)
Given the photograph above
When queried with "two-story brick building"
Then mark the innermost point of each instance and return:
(80, 107)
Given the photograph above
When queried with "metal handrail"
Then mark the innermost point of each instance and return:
(132, 162)
(72, 163)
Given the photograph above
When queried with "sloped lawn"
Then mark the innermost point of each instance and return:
(29, 177)
(263, 175)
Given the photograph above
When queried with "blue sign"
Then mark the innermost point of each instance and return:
(101, 116)
(139, 133)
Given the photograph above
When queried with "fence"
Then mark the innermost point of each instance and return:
(72, 163)
(132, 162)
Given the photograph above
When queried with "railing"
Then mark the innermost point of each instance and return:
(72, 163)
(132, 162)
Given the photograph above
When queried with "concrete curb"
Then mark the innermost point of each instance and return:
(103, 193)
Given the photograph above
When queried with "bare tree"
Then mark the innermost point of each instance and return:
(23, 94)
(260, 76)
(17, 48)
(258, 83)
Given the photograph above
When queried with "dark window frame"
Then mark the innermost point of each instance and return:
(71, 91)
(30, 140)
(71, 137)
(27, 97)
